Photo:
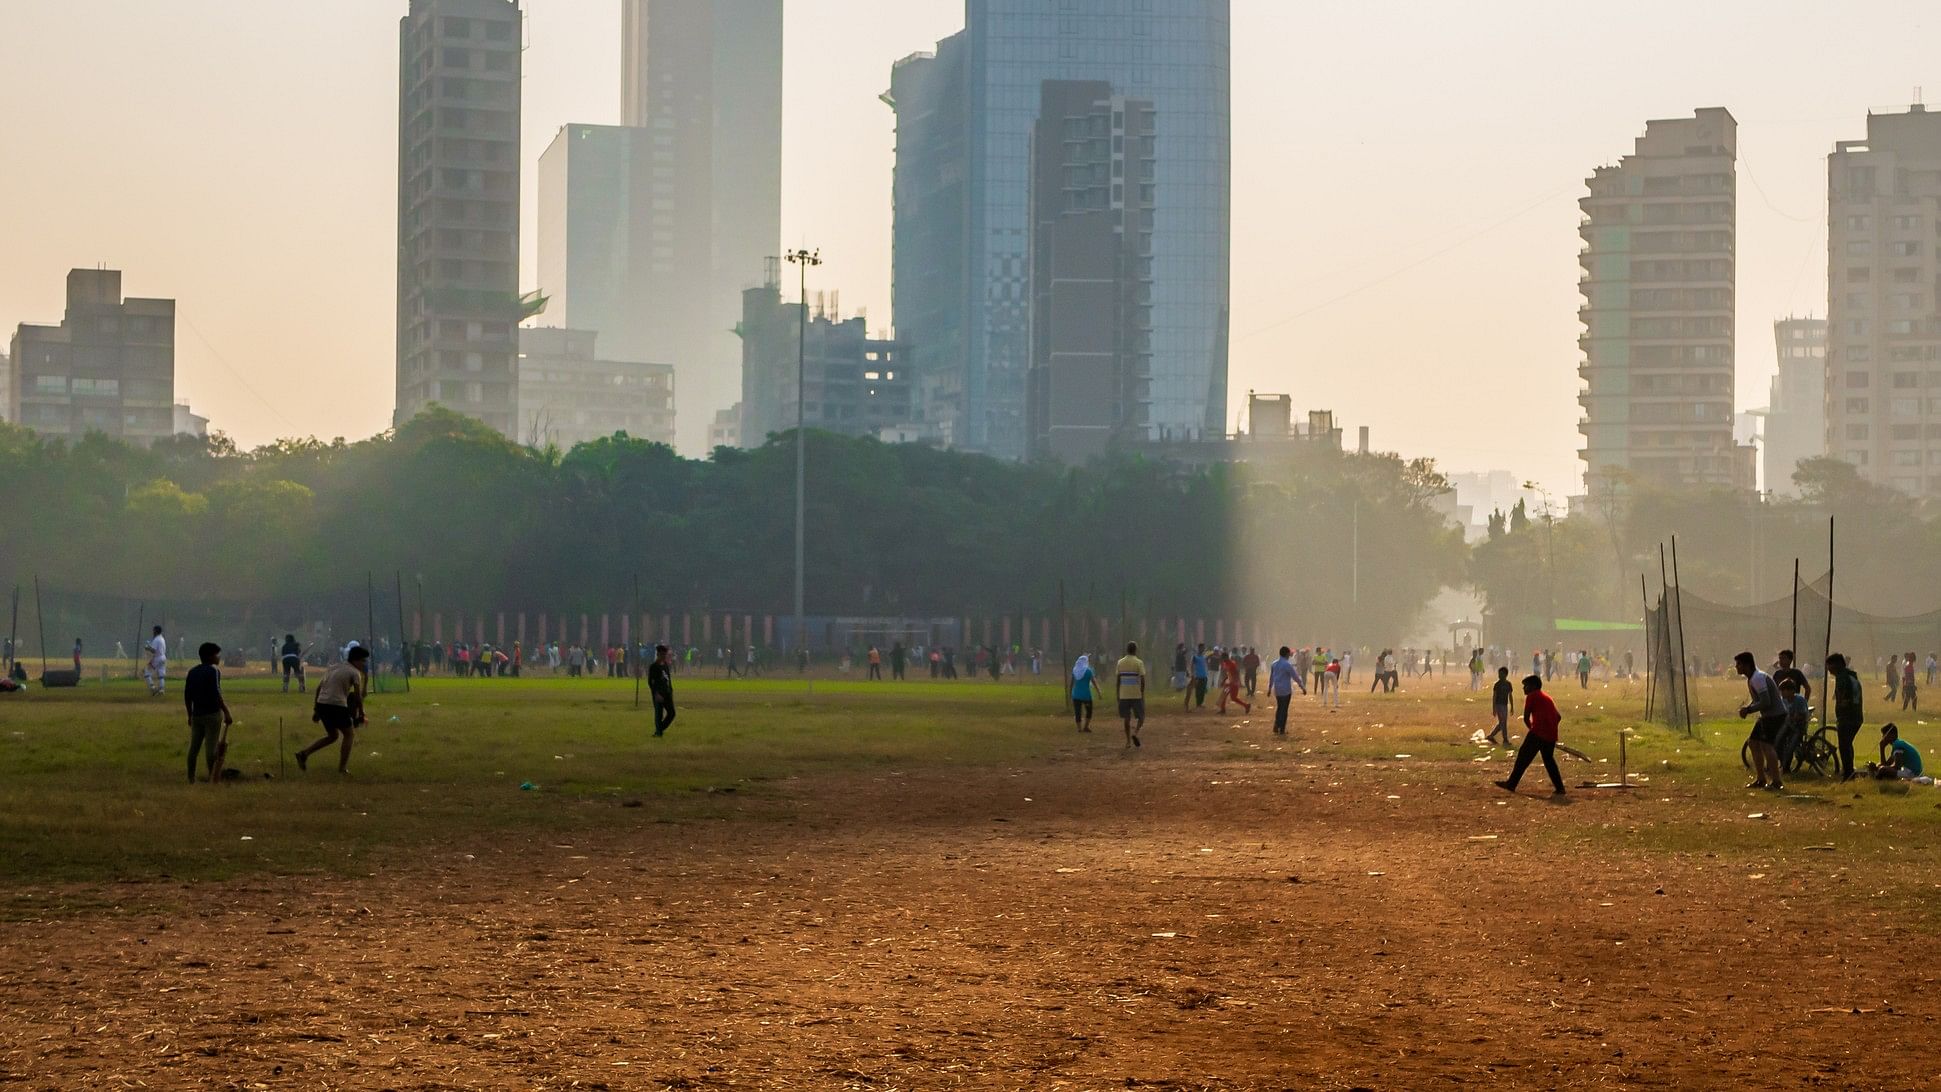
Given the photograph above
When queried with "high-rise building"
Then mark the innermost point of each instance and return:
(1796, 410)
(109, 367)
(458, 209)
(1883, 356)
(6, 388)
(852, 383)
(725, 429)
(964, 118)
(703, 79)
(1092, 164)
(1658, 305)
(569, 395)
(606, 257)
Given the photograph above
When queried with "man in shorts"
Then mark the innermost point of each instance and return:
(1766, 702)
(339, 708)
(1131, 673)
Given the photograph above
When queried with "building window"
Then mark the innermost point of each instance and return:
(1856, 405)
(50, 384)
(1856, 432)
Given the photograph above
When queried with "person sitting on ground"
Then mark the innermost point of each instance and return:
(1898, 758)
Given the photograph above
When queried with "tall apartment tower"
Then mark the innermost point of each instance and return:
(962, 265)
(109, 366)
(1883, 367)
(1658, 267)
(703, 78)
(1092, 193)
(458, 209)
(1796, 408)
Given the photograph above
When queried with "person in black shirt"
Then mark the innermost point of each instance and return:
(1499, 700)
(292, 662)
(660, 683)
(208, 713)
(1785, 670)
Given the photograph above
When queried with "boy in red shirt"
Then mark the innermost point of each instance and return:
(1540, 720)
(1230, 684)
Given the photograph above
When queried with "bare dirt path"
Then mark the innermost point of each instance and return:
(1189, 916)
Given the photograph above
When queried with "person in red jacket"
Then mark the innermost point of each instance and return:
(1230, 683)
(1540, 720)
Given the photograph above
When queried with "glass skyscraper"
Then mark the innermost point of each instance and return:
(962, 291)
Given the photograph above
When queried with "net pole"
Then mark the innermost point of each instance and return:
(1650, 674)
(141, 616)
(40, 619)
(404, 649)
(13, 630)
(370, 628)
(1684, 681)
(1827, 649)
(1793, 641)
(634, 652)
(1669, 663)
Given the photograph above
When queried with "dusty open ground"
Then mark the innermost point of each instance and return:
(1215, 910)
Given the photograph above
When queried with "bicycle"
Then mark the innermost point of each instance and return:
(1811, 751)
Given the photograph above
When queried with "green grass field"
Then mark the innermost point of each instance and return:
(96, 791)
(96, 785)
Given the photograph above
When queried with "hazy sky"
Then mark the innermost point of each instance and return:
(1405, 179)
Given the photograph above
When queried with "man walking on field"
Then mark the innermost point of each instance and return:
(660, 683)
(1281, 676)
(1131, 672)
(157, 669)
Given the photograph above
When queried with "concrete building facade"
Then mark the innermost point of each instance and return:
(961, 277)
(569, 395)
(1883, 355)
(1658, 268)
(1092, 194)
(458, 209)
(1796, 408)
(702, 79)
(108, 367)
(852, 383)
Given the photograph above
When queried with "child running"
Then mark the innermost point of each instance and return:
(1230, 684)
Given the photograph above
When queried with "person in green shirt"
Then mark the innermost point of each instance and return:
(1131, 673)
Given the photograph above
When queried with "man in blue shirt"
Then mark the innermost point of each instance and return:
(1281, 677)
(1196, 687)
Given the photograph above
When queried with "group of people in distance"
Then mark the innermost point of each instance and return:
(1779, 703)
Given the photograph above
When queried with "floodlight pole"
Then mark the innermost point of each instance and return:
(802, 259)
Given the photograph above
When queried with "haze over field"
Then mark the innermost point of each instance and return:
(1405, 179)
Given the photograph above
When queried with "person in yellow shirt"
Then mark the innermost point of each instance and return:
(1131, 674)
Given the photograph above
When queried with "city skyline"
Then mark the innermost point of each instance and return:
(1382, 251)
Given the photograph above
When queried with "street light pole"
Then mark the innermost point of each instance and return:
(803, 259)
